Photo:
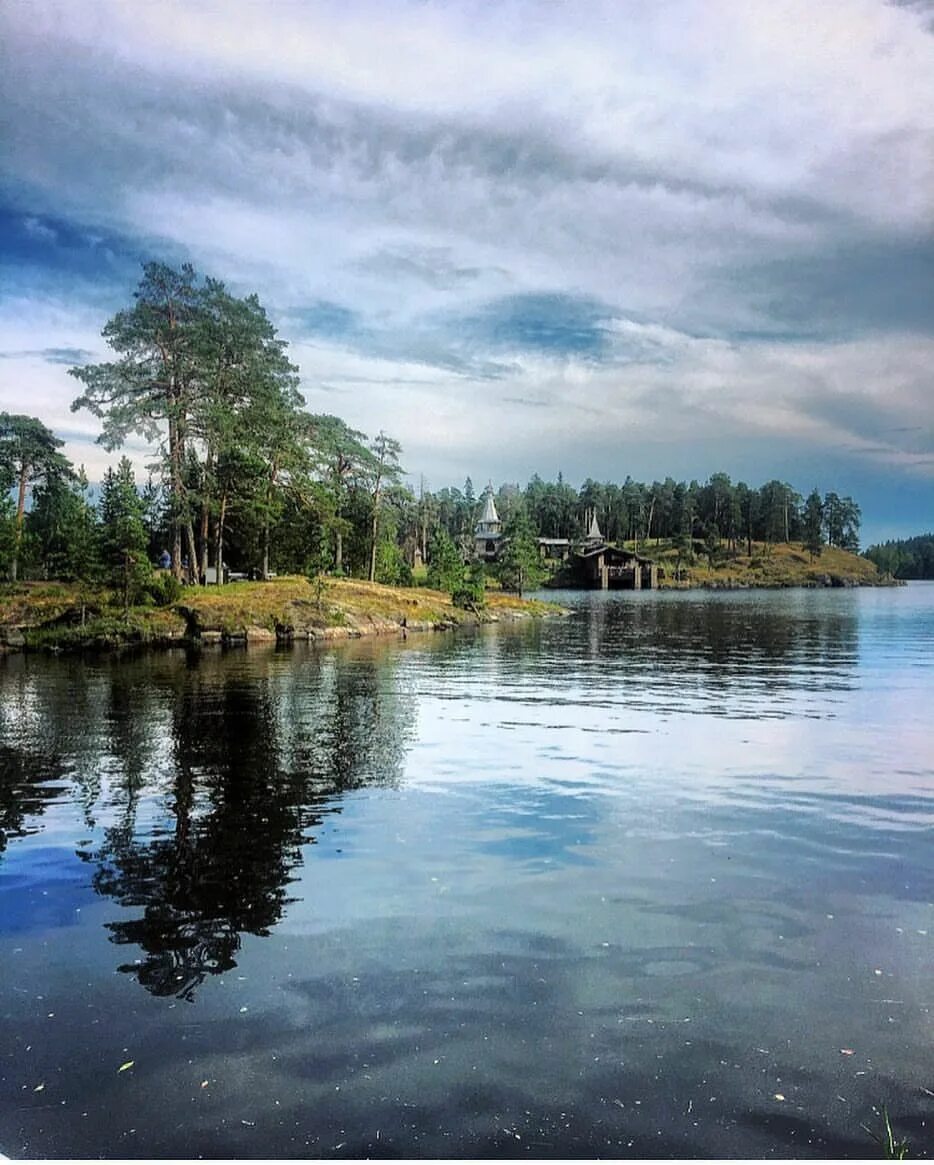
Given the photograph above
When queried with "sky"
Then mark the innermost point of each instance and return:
(647, 238)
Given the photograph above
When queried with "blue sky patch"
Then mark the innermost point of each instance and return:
(552, 323)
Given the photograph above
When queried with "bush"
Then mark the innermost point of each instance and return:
(164, 588)
(391, 568)
(471, 591)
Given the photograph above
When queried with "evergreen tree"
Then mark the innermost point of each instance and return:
(61, 528)
(123, 534)
(520, 567)
(445, 564)
(385, 469)
(28, 456)
(813, 525)
(150, 387)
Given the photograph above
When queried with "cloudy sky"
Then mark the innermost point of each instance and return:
(640, 236)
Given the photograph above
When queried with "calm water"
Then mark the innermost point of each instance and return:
(653, 880)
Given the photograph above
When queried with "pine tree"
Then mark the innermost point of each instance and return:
(61, 528)
(28, 456)
(445, 564)
(521, 563)
(123, 534)
(813, 524)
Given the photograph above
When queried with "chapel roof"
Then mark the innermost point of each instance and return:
(489, 508)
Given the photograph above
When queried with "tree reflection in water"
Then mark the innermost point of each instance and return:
(261, 753)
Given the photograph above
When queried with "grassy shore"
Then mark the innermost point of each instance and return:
(786, 564)
(71, 616)
(66, 616)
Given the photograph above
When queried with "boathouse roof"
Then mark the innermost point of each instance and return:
(614, 552)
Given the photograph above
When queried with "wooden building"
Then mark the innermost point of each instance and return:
(589, 561)
(607, 567)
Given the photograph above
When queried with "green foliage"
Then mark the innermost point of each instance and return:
(713, 547)
(99, 631)
(61, 537)
(7, 534)
(446, 570)
(813, 524)
(385, 472)
(841, 521)
(123, 535)
(200, 372)
(520, 567)
(471, 593)
(164, 588)
(908, 558)
(245, 476)
(28, 456)
(391, 567)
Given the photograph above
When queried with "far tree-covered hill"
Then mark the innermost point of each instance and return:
(906, 557)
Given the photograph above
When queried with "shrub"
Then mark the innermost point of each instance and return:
(164, 588)
(471, 591)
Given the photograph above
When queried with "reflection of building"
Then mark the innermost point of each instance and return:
(488, 533)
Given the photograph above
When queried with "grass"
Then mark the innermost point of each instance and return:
(68, 616)
(892, 1148)
(784, 564)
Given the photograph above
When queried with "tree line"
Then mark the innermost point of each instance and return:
(242, 475)
(644, 514)
(908, 558)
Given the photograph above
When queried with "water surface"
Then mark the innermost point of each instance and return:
(653, 880)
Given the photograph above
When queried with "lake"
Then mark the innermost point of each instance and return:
(652, 880)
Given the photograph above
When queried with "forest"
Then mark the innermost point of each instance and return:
(242, 476)
(907, 558)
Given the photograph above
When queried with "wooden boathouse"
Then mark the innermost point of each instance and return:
(599, 565)
(607, 567)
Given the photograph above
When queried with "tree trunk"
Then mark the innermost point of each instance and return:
(374, 532)
(206, 515)
(175, 490)
(219, 540)
(18, 530)
(648, 525)
(204, 539)
(192, 553)
(274, 470)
